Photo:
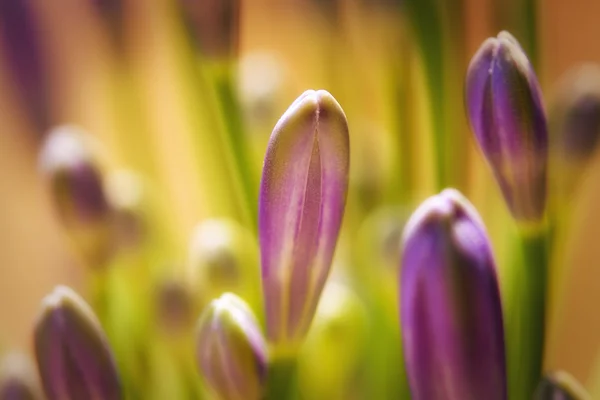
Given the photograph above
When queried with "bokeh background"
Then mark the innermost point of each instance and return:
(59, 61)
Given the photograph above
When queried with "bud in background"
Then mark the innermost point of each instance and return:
(504, 105)
(126, 196)
(68, 162)
(560, 385)
(336, 340)
(301, 205)
(574, 117)
(214, 25)
(231, 351)
(73, 356)
(18, 380)
(223, 257)
(451, 313)
(174, 305)
(23, 53)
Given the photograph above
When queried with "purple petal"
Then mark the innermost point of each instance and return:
(232, 353)
(450, 304)
(508, 120)
(302, 200)
(73, 354)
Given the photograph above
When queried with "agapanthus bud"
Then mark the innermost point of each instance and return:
(18, 379)
(302, 201)
(560, 386)
(450, 304)
(67, 161)
(505, 109)
(74, 358)
(223, 257)
(231, 351)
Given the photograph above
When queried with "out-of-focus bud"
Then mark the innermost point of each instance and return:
(504, 105)
(450, 304)
(223, 257)
(125, 193)
(231, 351)
(18, 380)
(68, 162)
(560, 386)
(301, 205)
(261, 79)
(335, 339)
(214, 25)
(23, 54)
(174, 305)
(73, 356)
(575, 114)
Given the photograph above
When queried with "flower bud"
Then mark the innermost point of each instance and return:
(73, 355)
(174, 306)
(575, 114)
(68, 163)
(504, 105)
(18, 380)
(223, 258)
(231, 351)
(301, 205)
(560, 386)
(450, 304)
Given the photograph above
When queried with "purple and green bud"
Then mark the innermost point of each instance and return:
(560, 386)
(18, 380)
(231, 350)
(67, 160)
(451, 312)
(504, 106)
(301, 205)
(73, 355)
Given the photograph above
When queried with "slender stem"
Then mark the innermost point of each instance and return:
(526, 321)
(281, 382)
(234, 127)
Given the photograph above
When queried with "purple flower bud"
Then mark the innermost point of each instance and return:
(450, 304)
(560, 386)
(507, 116)
(68, 163)
(231, 351)
(302, 201)
(73, 355)
(18, 379)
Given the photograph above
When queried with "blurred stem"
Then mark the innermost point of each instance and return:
(232, 117)
(526, 319)
(427, 27)
(281, 381)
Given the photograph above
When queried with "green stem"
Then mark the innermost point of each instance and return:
(281, 382)
(526, 321)
(234, 127)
